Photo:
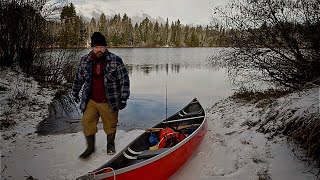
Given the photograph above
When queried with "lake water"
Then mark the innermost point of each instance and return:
(157, 74)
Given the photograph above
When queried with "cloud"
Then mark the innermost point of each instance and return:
(187, 11)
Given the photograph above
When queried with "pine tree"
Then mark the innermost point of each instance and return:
(69, 33)
(178, 33)
(186, 36)
(167, 32)
(136, 35)
(102, 25)
(127, 35)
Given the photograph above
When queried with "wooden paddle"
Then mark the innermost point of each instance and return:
(153, 129)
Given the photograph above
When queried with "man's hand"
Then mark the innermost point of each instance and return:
(123, 104)
(76, 98)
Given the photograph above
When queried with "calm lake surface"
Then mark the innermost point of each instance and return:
(186, 72)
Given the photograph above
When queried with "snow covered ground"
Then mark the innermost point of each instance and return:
(231, 149)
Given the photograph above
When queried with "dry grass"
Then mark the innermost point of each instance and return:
(302, 130)
(307, 135)
(253, 96)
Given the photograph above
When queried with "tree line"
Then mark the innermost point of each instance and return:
(275, 41)
(72, 30)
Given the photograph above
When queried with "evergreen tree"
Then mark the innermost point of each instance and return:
(194, 39)
(199, 34)
(144, 30)
(136, 35)
(92, 27)
(102, 25)
(115, 30)
(178, 33)
(167, 33)
(162, 38)
(155, 37)
(68, 12)
(69, 34)
(127, 30)
(186, 35)
(172, 34)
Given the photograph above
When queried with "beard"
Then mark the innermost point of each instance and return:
(99, 54)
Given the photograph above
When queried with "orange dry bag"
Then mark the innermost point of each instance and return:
(169, 137)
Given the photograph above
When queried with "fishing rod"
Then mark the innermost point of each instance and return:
(166, 105)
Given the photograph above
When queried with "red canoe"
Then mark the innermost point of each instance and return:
(136, 161)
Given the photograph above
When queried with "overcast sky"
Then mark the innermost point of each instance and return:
(187, 11)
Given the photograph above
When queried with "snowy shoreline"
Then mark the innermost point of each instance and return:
(232, 147)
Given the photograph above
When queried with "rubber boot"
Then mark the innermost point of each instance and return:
(111, 149)
(90, 147)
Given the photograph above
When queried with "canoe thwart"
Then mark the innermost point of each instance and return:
(151, 153)
(187, 126)
(184, 119)
(179, 127)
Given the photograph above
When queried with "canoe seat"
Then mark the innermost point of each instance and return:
(151, 153)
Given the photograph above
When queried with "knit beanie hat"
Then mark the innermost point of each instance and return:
(97, 39)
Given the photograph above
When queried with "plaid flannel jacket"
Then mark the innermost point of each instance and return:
(116, 81)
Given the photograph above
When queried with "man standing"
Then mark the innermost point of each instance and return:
(105, 85)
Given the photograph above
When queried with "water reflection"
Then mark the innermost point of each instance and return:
(146, 69)
(186, 72)
(174, 68)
